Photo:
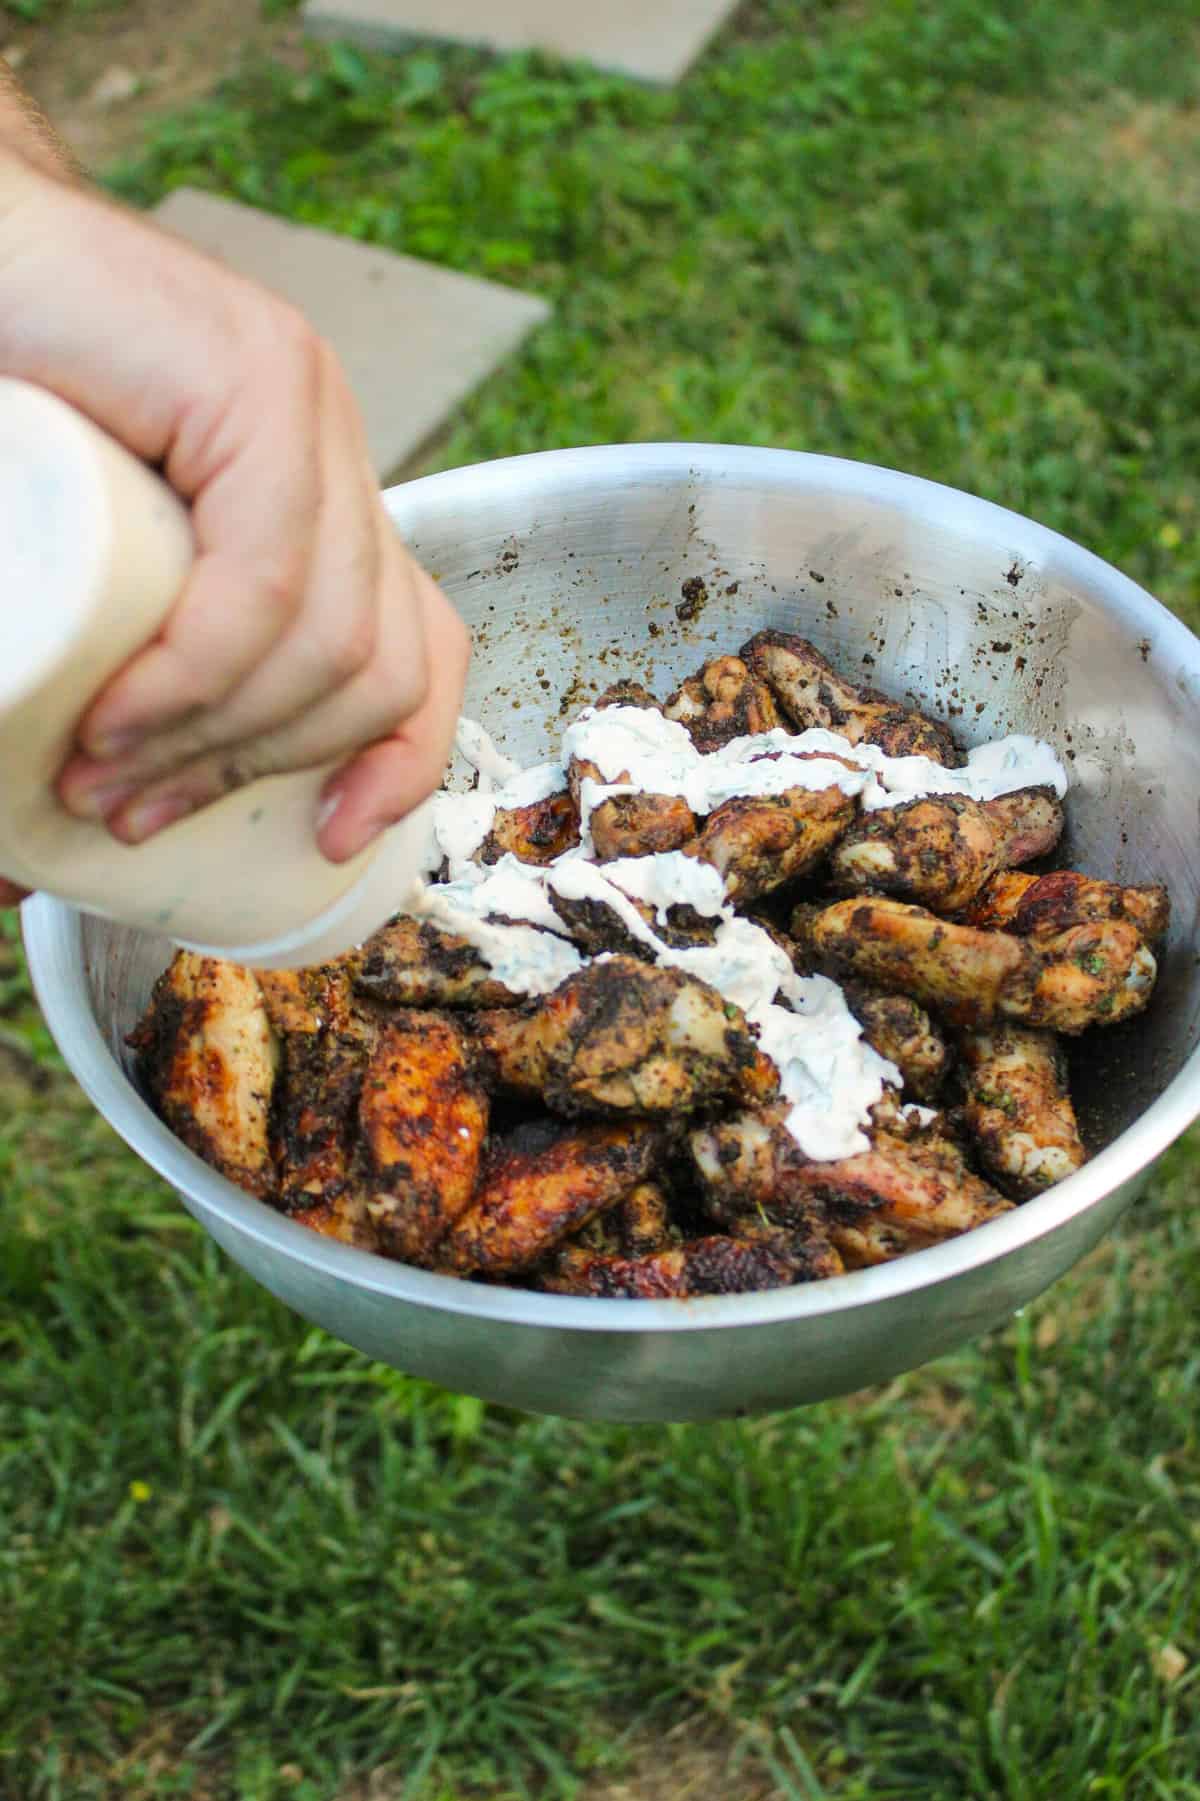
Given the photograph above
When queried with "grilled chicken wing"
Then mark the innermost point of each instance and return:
(759, 843)
(1090, 975)
(625, 1037)
(597, 928)
(346, 1218)
(939, 851)
(208, 1056)
(719, 1264)
(536, 833)
(424, 1118)
(903, 1032)
(1017, 1108)
(640, 825)
(326, 1040)
(918, 1187)
(411, 963)
(1034, 906)
(811, 694)
(724, 701)
(531, 1197)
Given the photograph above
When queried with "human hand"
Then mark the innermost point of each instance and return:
(306, 633)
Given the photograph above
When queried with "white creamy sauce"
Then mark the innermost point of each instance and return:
(829, 1076)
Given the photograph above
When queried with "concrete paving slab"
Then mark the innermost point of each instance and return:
(414, 339)
(655, 40)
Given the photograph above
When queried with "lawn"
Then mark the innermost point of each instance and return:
(238, 1562)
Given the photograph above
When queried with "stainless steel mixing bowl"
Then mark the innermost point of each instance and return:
(570, 567)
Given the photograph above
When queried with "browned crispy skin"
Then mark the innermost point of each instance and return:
(1017, 1108)
(325, 1035)
(940, 850)
(529, 1199)
(424, 1118)
(722, 702)
(811, 694)
(719, 1264)
(643, 1220)
(1033, 906)
(536, 833)
(963, 974)
(1093, 974)
(345, 1218)
(1028, 824)
(900, 1030)
(597, 928)
(758, 844)
(626, 1037)
(918, 1186)
(411, 963)
(641, 825)
(209, 1058)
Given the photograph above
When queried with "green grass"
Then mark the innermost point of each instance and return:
(239, 1563)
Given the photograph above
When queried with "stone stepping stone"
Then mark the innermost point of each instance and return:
(655, 40)
(414, 339)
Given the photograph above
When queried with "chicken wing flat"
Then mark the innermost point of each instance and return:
(919, 1187)
(939, 851)
(598, 928)
(900, 1030)
(965, 975)
(759, 843)
(411, 963)
(326, 1041)
(719, 1264)
(811, 694)
(209, 1058)
(724, 701)
(536, 833)
(1092, 975)
(423, 1116)
(346, 1218)
(531, 1198)
(626, 1037)
(1017, 1108)
(1035, 906)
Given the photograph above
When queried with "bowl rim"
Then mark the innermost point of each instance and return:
(53, 932)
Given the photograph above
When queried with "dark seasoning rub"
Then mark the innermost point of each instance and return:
(624, 1135)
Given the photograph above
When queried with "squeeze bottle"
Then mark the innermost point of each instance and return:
(94, 549)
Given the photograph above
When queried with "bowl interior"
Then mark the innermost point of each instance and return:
(576, 568)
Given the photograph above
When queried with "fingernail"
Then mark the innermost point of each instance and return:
(327, 807)
(98, 803)
(153, 815)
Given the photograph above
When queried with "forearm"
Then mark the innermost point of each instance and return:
(25, 129)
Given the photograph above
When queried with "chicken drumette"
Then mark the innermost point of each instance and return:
(411, 963)
(625, 1037)
(1017, 1108)
(939, 851)
(811, 693)
(1093, 974)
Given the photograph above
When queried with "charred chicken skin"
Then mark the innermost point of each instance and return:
(919, 1187)
(326, 1039)
(625, 1037)
(531, 1197)
(811, 694)
(724, 701)
(719, 1264)
(536, 833)
(423, 1117)
(411, 963)
(1039, 906)
(1017, 1108)
(940, 851)
(208, 1054)
(1092, 974)
(758, 844)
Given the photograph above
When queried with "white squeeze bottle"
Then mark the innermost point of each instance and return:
(94, 549)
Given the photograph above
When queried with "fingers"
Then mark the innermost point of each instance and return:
(10, 894)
